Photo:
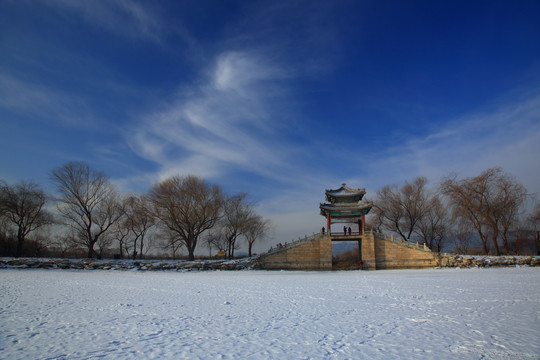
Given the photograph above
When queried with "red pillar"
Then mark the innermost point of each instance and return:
(363, 224)
(328, 223)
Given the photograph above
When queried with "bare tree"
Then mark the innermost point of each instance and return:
(22, 205)
(432, 227)
(186, 206)
(62, 244)
(171, 242)
(139, 220)
(401, 208)
(256, 230)
(376, 218)
(216, 239)
(465, 206)
(3, 185)
(462, 236)
(236, 213)
(533, 221)
(87, 201)
(489, 202)
(208, 244)
(121, 234)
(388, 211)
(104, 244)
(40, 242)
(131, 232)
(511, 196)
(521, 239)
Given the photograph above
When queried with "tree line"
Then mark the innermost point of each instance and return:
(89, 214)
(483, 214)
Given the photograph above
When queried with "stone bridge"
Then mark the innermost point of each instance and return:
(377, 251)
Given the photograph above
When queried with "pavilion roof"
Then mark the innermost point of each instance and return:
(344, 192)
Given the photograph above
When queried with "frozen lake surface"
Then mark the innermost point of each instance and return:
(420, 314)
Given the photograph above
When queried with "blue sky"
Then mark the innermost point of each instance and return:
(279, 99)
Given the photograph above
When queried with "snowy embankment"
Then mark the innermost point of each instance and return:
(132, 265)
(453, 260)
(407, 314)
(252, 263)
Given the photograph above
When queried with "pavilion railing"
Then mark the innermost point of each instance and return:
(342, 233)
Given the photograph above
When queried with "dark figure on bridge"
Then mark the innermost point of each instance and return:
(349, 231)
(344, 230)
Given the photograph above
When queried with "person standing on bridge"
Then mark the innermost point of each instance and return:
(345, 231)
(349, 231)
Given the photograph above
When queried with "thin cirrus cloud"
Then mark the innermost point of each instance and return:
(125, 17)
(42, 101)
(225, 121)
(507, 135)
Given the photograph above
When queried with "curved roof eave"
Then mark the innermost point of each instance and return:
(345, 191)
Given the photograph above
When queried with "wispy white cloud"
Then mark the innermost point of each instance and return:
(125, 17)
(225, 121)
(242, 72)
(235, 119)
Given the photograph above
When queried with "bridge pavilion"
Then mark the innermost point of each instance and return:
(345, 205)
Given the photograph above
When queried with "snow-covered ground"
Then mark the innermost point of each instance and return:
(407, 314)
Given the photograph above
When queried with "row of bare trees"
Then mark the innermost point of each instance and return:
(175, 214)
(490, 207)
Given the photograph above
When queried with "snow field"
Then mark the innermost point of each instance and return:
(420, 314)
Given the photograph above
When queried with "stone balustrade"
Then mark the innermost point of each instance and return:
(300, 240)
(399, 240)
